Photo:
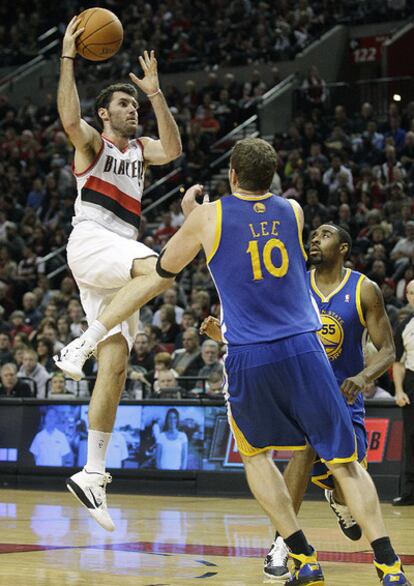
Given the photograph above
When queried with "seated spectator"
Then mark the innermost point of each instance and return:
(64, 334)
(314, 88)
(162, 361)
(168, 326)
(50, 332)
(401, 288)
(188, 321)
(57, 388)
(165, 231)
(31, 310)
(210, 357)
(170, 298)
(331, 176)
(141, 355)
(187, 361)
(168, 385)
(214, 385)
(314, 208)
(44, 349)
(31, 368)
(76, 316)
(372, 392)
(10, 386)
(6, 354)
(19, 326)
(391, 170)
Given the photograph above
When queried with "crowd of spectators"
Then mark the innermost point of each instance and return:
(347, 167)
(193, 34)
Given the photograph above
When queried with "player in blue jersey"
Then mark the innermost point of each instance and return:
(281, 389)
(348, 303)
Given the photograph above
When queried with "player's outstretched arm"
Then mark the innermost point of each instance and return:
(380, 332)
(84, 138)
(168, 147)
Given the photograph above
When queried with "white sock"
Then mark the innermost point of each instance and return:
(97, 445)
(95, 332)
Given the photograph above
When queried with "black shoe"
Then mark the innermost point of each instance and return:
(346, 522)
(405, 500)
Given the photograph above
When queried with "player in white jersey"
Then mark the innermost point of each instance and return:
(103, 253)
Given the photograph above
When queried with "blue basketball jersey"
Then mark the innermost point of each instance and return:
(258, 267)
(343, 324)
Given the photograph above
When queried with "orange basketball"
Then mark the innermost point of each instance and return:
(102, 36)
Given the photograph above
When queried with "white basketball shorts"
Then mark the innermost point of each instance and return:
(101, 263)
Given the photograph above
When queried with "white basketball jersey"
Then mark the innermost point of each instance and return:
(110, 190)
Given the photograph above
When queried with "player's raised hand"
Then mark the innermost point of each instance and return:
(211, 328)
(189, 201)
(71, 34)
(149, 84)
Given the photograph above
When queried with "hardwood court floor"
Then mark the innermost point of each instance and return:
(46, 539)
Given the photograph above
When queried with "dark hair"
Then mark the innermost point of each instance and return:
(105, 96)
(170, 412)
(255, 162)
(344, 238)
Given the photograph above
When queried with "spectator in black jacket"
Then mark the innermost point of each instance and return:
(10, 385)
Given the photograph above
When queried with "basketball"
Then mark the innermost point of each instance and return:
(102, 36)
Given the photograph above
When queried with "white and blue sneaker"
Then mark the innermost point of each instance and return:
(90, 490)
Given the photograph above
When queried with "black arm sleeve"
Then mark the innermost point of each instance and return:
(163, 273)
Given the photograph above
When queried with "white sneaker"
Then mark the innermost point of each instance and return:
(275, 563)
(90, 490)
(73, 356)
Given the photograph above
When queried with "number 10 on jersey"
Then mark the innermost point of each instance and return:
(258, 261)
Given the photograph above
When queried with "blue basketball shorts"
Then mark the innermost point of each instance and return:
(322, 476)
(283, 395)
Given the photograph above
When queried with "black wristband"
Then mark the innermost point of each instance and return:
(162, 272)
(67, 57)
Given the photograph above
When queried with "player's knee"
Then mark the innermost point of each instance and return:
(113, 372)
(143, 266)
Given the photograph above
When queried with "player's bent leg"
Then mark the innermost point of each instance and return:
(89, 485)
(296, 476)
(127, 301)
(269, 489)
(362, 498)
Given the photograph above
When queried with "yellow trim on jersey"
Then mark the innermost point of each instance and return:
(344, 460)
(317, 480)
(299, 230)
(341, 460)
(253, 197)
(334, 292)
(217, 236)
(358, 301)
(247, 449)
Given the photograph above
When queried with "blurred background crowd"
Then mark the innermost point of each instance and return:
(350, 167)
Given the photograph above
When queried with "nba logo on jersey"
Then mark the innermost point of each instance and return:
(347, 298)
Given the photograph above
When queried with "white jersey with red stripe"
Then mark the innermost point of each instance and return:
(110, 190)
